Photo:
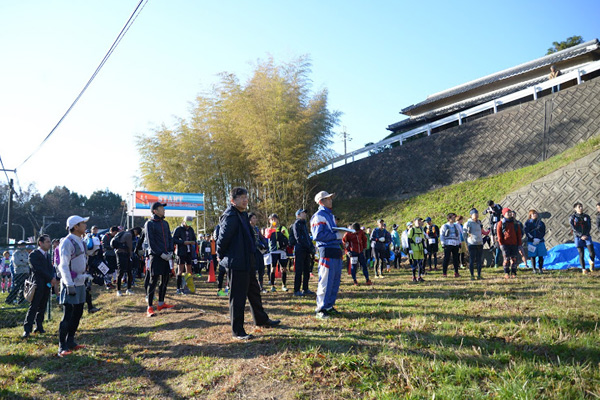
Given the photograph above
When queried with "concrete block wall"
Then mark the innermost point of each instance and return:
(511, 139)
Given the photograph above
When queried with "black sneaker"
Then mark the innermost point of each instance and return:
(298, 294)
(270, 323)
(243, 337)
(308, 292)
(323, 314)
(333, 311)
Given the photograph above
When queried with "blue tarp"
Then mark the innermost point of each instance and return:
(565, 256)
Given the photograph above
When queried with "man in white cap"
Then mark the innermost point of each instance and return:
(185, 240)
(329, 242)
(72, 275)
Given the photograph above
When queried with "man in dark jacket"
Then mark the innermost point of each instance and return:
(185, 240)
(124, 253)
(303, 251)
(160, 250)
(236, 252)
(109, 255)
(42, 273)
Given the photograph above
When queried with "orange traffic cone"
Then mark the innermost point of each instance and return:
(211, 272)
(277, 271)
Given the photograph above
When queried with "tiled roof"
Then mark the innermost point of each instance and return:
(550, 59)
(409, 122)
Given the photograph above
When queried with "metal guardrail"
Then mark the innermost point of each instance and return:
(533, 90)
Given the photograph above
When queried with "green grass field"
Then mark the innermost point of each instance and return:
(459, 198)
(535, 337)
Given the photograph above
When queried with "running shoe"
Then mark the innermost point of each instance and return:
(165, 306)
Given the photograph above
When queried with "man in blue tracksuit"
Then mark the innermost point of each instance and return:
(329, 244)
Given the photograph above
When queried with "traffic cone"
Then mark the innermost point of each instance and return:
(211, 272)
(277, 271)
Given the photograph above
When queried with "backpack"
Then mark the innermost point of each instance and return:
(116, 242)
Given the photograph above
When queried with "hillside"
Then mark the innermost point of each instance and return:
(459, 198)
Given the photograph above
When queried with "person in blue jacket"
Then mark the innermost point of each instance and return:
(329, 245)
(535, 230)
(380, 241)
(236, 251)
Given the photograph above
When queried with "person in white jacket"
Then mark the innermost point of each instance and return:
(450, 238)
(473, 232)
(72, 271)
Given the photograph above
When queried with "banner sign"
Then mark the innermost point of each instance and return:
(174, 201)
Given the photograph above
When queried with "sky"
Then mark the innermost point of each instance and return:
(374, 58)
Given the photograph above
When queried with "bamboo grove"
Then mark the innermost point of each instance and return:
(268, 135)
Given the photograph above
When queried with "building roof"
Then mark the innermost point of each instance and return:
(411, 122)
(550, 59)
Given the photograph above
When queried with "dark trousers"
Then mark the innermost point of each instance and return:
(581, 251)
(124, 267)
(475, 258)
(301, 270)
(380, 259)
(260, 268)
(362, 261)
(37, 307)
(162, 288)
(221, 277)
(16, 290)
(450, 251)
(88, 295)
(275, 259)
(431, 259)
(397, 258)
(68, 326)
(243, 284)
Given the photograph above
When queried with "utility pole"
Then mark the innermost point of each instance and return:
(347, 138)
(10, 195)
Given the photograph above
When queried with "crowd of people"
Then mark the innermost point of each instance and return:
(242, 253)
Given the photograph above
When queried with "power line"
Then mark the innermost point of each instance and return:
(2, 164)
(132, 18)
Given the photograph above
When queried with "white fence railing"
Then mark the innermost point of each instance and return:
(533, 90)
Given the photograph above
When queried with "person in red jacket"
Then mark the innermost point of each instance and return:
(509, 236)
(355, 245)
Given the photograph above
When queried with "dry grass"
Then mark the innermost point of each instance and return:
(536, 337)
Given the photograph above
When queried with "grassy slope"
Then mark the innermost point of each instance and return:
(533, 338)
(459, 198)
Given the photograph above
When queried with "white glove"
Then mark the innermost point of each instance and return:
(410, 252)
(425, 251)
(536, 241)
(381, 239)
(166, 256)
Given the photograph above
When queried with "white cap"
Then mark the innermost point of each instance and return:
(74, 220)
(322, 195)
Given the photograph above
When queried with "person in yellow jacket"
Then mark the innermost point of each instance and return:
(417, 251)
